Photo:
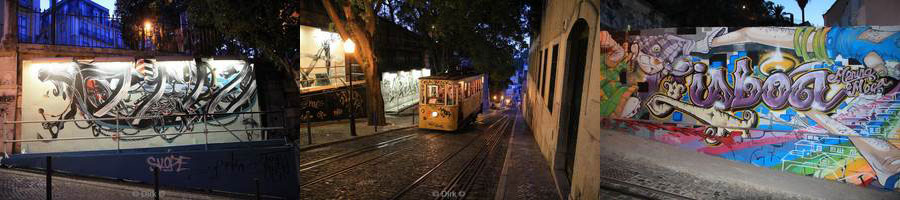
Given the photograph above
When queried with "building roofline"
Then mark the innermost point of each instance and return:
(833, 6)
(88, 1)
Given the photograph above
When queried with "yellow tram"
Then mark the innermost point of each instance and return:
(448, 102)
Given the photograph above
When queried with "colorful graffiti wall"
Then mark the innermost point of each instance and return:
(112, 100)
(401, 89)
(821, 102)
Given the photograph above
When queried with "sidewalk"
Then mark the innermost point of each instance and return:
(18, 184)
(336, 131)
(525, 174)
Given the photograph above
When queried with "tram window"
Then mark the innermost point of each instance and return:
(451, 96)
(471, 86)
(463, 90)
(435, 96)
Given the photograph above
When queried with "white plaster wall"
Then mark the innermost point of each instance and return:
(41, 95)
(312, 40)
(401, 89)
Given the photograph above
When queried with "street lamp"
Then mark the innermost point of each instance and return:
(148, 26)
(349, 48)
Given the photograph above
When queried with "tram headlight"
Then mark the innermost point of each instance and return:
(433, 114)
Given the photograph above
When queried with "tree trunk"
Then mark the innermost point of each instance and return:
(374, 98)
(803, 15)
(362, 35)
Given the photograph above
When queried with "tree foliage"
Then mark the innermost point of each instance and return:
(254, 29)
(258, 28)
(480, 34)
(135, 13)
(356, 20)
(707, 13)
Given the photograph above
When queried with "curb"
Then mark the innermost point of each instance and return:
(500, 193)
(315, 146)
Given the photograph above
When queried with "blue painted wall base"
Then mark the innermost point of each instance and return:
(229, 167)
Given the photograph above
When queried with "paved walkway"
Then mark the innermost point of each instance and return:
(642, 165)
(526, 174)
(337, 131)
(18, 184)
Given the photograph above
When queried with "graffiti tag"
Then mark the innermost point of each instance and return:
(171, 163)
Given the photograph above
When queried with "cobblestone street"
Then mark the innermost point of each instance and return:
(424, 164)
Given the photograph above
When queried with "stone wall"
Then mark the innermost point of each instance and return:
(8, 99)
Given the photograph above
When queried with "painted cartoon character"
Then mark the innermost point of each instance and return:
(664, 54)
(615, 92)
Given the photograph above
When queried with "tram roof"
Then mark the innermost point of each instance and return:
(451, 76)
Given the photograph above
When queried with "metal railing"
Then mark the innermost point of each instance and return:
(336, 130)
(118, 135)
(42, 27)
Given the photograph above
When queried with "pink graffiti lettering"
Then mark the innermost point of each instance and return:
(169, 163)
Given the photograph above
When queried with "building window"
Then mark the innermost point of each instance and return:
(543, 73)
(552, 77)
(23, 27)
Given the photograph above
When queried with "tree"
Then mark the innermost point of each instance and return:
(160, 15)
(357, 21)
(778, 11)
(709, 13)
(483, 35)
(252, 29)
(802, 4)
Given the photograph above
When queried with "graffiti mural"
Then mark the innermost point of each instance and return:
(152, 102)
(819, 102)
(331, 104)
(400, 90)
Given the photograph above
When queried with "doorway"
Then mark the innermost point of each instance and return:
(576, 56)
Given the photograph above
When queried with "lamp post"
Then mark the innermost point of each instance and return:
(148, 26)
(349, 48)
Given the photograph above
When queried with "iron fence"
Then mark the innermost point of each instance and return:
(117, 126)
(42, 27)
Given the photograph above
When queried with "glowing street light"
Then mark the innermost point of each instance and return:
(349, 46)
(148, 25)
